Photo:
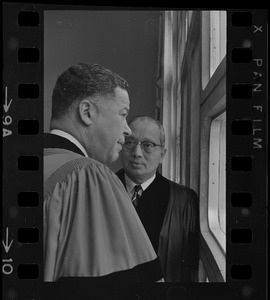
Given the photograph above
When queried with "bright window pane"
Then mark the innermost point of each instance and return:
(217, 182)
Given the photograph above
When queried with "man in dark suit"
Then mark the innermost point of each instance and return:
(168, 211)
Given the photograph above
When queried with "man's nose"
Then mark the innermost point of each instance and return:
(127, 130)
(137, 151)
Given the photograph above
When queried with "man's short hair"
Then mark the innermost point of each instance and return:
(80, 82)
(150, 119)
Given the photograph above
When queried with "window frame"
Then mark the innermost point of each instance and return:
(216, 170)
(214, 24)
(214, 103)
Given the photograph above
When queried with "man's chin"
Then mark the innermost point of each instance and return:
(114, 158)
(135, 172)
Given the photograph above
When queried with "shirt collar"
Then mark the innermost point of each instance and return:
(130, 184)
(70, 138)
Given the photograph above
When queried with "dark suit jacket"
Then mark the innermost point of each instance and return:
(170, 215)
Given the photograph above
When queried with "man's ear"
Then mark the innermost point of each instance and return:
(164, 150)
(86, 111)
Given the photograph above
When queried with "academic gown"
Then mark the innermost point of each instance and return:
(91, 229)
(170, 215)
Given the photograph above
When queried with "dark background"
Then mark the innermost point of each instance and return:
(123, 41)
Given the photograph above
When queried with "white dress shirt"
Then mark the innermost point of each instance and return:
(70, 138)
(130, 185)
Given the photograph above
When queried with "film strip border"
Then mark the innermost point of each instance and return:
(246, 161)
(246, 176)
(22, 151)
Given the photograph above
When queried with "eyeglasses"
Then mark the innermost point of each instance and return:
(146, 146)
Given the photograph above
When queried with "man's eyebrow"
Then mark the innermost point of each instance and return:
(148, 140)
(144, 140)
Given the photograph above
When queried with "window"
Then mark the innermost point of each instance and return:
(213, 144)
(217, 182)
(194, 118)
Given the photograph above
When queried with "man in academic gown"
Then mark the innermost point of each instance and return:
(91, 229)
(168, 211)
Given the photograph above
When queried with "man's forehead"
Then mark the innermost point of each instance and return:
(145, 128)
(120, 98)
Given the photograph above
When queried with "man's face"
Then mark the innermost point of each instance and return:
(110, 127)
(140, 165)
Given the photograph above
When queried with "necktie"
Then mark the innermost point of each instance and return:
(136, 195)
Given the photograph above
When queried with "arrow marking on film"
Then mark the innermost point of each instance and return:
(6, 244)
(6, 105)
